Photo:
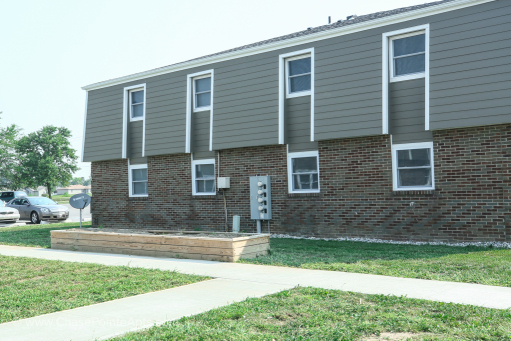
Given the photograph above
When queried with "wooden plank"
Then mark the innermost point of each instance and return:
(248, 242)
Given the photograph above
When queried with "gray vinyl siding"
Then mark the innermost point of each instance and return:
(297, 119)
(470, 73)
(204, 155)
(246, 102)
(407, 112)
(200, 131)
(470, 81)
(138, 161)
(135, 136)
(103, 128)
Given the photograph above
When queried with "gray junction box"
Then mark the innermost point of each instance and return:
(260, 197)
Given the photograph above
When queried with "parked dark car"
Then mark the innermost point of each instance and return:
(37, 209)
(9, 195)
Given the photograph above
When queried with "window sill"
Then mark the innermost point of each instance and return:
(202, 109)
(135, 119)
(413, 192)
(298, 94)
(138, 198)
(303, 194)
(408, 77)
(198, 195)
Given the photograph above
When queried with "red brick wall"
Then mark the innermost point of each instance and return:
(470, 202)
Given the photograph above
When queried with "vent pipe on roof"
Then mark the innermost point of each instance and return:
(351, 17)
(329, 20)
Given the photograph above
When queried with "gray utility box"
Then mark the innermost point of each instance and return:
(260, 197)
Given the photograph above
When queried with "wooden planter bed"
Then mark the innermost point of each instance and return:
(228, 247)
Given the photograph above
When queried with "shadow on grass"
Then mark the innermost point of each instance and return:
(34, 235)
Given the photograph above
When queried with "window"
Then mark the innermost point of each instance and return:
(298, 75)
(203, 177)
(202, 93)
(413, 166)
(303, 172)
(136, 104)
(138, 181)
(408, 56)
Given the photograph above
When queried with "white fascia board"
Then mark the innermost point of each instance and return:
(84, 122)
(363, 26)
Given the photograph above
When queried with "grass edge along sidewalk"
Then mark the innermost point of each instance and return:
(470, 264)
(31, 287)
(320, 314)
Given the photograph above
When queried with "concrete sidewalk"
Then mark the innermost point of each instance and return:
(106, 320)
(241, 281)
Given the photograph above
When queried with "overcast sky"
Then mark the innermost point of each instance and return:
(50, 49)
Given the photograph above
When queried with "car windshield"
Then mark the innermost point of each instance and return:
(42, 201)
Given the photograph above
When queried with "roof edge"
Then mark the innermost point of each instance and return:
(393, 19)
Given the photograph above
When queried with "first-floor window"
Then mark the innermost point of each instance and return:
(203, 177)
(413, 166)
(138, 181)
(303, 172)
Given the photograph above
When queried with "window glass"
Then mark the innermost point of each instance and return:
(205, 178)
(139, 181)
(137, 104)
(305, 173)
(299, 75)
(414, 168)
(203, 92)
(409, 55)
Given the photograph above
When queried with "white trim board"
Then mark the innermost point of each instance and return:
(393, 19)
(386, 38)
(84, 123)
(283, 89)
(190, 110)
(125, 118)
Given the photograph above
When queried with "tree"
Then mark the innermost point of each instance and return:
(47, 158)
(87, 182)
(9, 176)
(77, 181)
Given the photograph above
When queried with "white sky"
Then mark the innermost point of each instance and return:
(50, 49)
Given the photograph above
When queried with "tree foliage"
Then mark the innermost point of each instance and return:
(9, 176)
(46, 158)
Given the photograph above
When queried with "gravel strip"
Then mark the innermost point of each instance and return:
(502, 245)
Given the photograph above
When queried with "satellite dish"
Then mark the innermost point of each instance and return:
(80, 201)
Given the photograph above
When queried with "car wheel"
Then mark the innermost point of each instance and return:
(34, 218)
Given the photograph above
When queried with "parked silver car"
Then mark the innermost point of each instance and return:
(8, 214)
(37, 209)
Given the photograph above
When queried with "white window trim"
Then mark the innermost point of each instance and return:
(407, 146)
(386, 73)
(127, 116)
(195, 108)
(130, 179)
(189, 107)
(288, 88)
(282, 89)
(291, 156)
(202, 162)
(416, 75)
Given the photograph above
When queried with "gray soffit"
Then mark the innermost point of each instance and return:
(314, 33)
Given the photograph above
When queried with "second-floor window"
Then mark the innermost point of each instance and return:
(136, 105)
(298, 74)
(408, 55)
(202, 93)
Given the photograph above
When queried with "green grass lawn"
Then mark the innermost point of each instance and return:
(31, 287)
(470, 264)
(34, 235)
(320, 314)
